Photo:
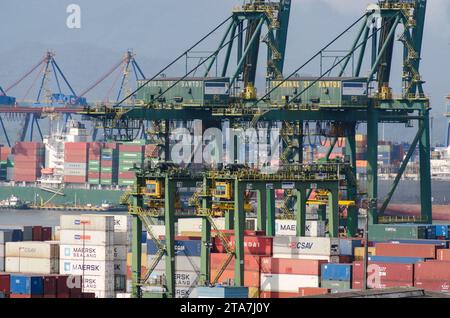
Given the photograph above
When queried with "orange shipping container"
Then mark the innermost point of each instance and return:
(312, 291)
(251, 262)
(291, 266)
(277, 295)
(443, 254)
(406, 250)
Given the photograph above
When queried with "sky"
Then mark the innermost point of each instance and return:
(158, 31)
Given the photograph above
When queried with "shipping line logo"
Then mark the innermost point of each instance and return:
(301, 245)
(79, 237)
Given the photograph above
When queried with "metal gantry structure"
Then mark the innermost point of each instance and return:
(335, 105)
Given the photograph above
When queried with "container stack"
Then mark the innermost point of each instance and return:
(5, 163)
(282, 277)
(28, 161)
(288, 228)
(386, 232)
(75, 162)
(122, 245)
(94, 162)
(336, 277)
(187, 264)
(26, 286)
(361, 146)
(32, 257)
(319, 248)
(108, 170)
(129, 155)
(384, 154)
(87, 249)
(338, 149)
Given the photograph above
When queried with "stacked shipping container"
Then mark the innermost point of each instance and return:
(28, 161)
(94, 156)
(75, 162)
(129, 155)
(109, 164)
(87, 249)
(32, 257)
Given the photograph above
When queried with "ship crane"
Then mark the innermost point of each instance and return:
(47, 99)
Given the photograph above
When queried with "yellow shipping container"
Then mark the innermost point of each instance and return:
(253, 292)
(144, 261)
(359, 253)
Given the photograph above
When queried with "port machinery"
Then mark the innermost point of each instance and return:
(51, 103)
(336, 105)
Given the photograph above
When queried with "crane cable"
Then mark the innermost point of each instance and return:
(174, 61)
(311, 59)
(26, 74)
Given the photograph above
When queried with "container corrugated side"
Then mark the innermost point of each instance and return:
(305, 245)
(80, 237)
(31, 265)
(90, 268)
(78, 252)
(32, 249)
(287, 282)
(87, 223)
(182, 278)
(182, 263)
(98, 282)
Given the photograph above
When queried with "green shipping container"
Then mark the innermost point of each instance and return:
(94, 181)
(385, 232)
(94, 169)
(106, 181)
(125, 182)
(130, 155)
(336, 284)
(107, 169)
(140, 142)
(128, 161)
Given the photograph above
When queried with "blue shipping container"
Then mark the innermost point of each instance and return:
(26, 284)
(183, 248)
(144, 237)
(394, 259)
(347, 246)
(15, 235)
(431, 232)
(442, 231)
(341, 272)
(222, 292)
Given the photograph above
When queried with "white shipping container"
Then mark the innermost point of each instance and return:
(180, 292)
(2, 250)
(120, 267)
(120, 252)
(90, 268)
(158, 230)
(123, 295)
(182, 263)
(75, 165)
(98, 282)
(31, 265)
(182, 278)
(55, 233)
(87, 223)
(32, 249)
(305, 245)
(2, 264)
(329, 259)
(287, 282)
(80, 237)
(75, 172)
(95, 253)
(101, 293)
(122, 222)
(288, 227)
(122, 238)
(195, 224)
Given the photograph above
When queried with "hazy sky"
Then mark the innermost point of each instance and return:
(157, 31)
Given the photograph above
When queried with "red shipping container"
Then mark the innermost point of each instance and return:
(251, 278)
(151, 151)
(443, 254)
(88, 295)
(254, 245)
(387, 271)
(182, 238)
(106, 163)
(50, 285)
(345, 259)
(358, 284)
(127, 175)
(143, 271)
(93, 175)
(277, 295)
(433, 285)
(291, 266)
(110, 145)
(251, 262)
(406, 250)
(62, 286)
(5, 283)
(46, 233)
(131, 148)
(75, 179)
(312, 291)
(75, 292)
(37, 233)
(436, 270)
(106, 175)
